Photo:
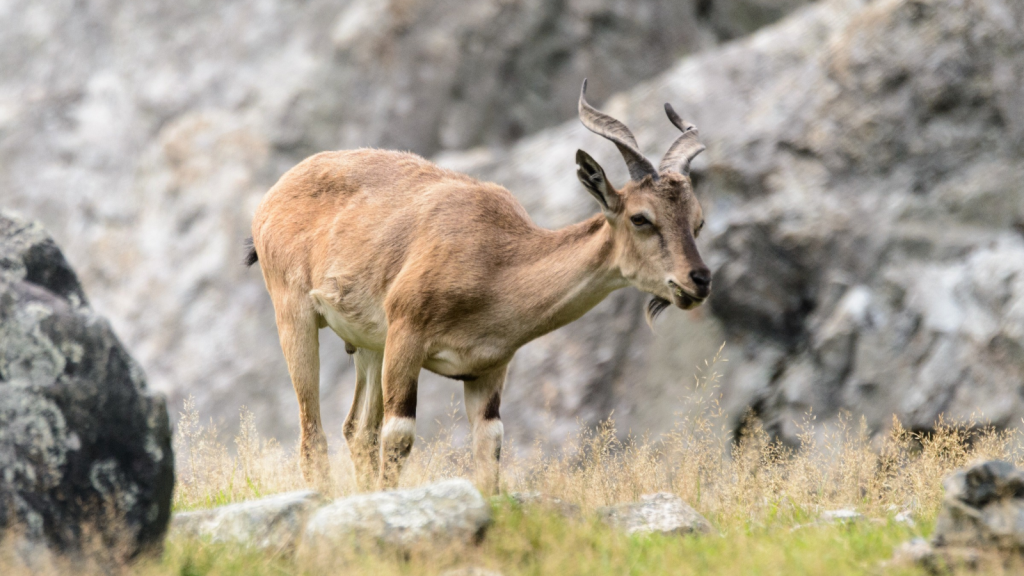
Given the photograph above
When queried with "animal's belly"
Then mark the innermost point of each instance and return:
(365, 329)
(463, 365)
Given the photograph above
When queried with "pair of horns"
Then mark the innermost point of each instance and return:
(679, 154)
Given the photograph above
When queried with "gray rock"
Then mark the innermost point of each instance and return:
(736, 18)
(448, 513)
(905, 517)
(983, 506)
(844, 516)
(660, 513)
(84, 447)
(431, 66)
(881, 259)
(470, 571)
(916, 551)
(275, 523)
(981, 519)
(841, 517)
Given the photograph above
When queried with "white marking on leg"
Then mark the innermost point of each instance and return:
(395, 444)
(397, 429)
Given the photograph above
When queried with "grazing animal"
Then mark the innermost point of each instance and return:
(415, 266)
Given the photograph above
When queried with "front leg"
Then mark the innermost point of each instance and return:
(403, 358)
(483, 398)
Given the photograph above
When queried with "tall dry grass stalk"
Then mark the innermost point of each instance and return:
(209, 474)
(750, 480)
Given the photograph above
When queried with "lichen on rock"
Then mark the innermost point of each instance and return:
(450, 513)
(84, 447)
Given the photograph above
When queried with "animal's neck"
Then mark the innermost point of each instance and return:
(571, 271)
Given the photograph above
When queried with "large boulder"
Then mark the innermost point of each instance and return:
(144, 137)
(85, 448)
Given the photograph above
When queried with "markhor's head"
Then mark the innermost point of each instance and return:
(655, 217)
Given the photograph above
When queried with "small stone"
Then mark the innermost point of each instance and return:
(844, 515)
(449, 513)
(905, 517)
(661, 513)
(275, 523)
(916, 551)
(470, 571)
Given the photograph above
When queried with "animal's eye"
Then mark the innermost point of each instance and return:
(699, 228)
(639, 220)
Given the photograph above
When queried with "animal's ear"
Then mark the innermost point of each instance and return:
(592, 176)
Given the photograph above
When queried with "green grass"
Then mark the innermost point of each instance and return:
(536, 542)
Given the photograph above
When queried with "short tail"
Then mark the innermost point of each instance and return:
(250, 252)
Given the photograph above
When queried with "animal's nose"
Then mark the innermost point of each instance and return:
(701, 277)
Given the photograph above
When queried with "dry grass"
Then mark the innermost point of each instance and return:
(757, 492)
(753, 481)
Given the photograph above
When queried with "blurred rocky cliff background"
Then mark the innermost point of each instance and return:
(863, 186)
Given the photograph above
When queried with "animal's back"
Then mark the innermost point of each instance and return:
(360, 214)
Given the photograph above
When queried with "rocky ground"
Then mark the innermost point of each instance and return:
(444, 514)
(978, 528)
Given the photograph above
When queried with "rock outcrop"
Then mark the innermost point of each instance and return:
(85, 448)
(660, 513)
(862, 189)
(274, 524)
(144, 137)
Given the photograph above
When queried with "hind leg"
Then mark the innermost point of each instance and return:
(362, 426)
(403, 357)
(482, 399)
(300, 342)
